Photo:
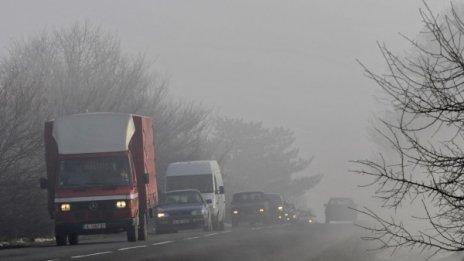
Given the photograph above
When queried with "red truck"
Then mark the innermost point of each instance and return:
(100, 175)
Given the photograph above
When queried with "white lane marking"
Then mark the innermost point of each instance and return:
(128, 248)
(94, 254)
(191, 238)
(162, 243)
(212, 234)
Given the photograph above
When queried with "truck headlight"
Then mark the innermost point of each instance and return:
(121, 204)
(261, 210)
(235, 212)
(280, 208)
(162, 215)
(65, 207)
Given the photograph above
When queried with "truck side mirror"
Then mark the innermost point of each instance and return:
(221, 189)
(43, 183)
(146, 178)
(209, 201)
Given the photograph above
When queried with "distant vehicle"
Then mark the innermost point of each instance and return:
(205, 176)
(306, 217)
(101, 175)
(290, 212)
(340, 209)
(252, 207)
(182, 209)
(276, 206)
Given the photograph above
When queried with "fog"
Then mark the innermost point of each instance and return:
(285, 63)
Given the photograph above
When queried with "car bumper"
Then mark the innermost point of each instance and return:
(180, 222)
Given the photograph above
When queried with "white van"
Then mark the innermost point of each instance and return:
(204, 175)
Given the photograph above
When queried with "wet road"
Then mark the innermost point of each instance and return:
(314, 242)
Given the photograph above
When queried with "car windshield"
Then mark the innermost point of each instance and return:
(181, 197)
(248, 197)
(100, 171)
(203, 183)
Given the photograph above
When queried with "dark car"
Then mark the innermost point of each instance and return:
(182, 209)
(340, 209)
(251, 207)
(276, 206)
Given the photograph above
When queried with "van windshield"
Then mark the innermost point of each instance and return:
(203, 182)
(90, 172)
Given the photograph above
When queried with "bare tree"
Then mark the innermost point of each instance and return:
(77, 69)
(427, 92)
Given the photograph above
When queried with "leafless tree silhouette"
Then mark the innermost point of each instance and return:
(427, 92)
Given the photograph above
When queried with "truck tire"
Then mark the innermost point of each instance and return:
(73, 239)
(60, 237)
(132, 233)
(143, 229)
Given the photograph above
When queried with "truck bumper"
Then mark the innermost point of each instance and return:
(96, 227)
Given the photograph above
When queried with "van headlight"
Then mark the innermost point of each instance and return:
(65, 207)
(121, 204)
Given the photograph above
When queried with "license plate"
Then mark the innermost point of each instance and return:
(94, 226)
(180, 221)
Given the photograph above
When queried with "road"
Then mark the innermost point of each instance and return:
(316, 242)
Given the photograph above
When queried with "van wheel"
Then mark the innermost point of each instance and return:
(143, 230)
(132, 233)
(220, 225)
(73, 239)
(60, 237)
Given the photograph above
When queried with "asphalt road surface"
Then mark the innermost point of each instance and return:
(315, 242)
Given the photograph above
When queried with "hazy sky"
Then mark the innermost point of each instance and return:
(286, 63)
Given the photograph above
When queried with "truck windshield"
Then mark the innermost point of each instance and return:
(204, 183)
(89, 172)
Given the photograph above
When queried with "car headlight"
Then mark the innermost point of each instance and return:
(261, 210)
(294, 216)
(286, 214)
(162, 215)
(197, 212)
(235, 212)
(65, 207)
(121, 204)
(280, 208)
(310, 221)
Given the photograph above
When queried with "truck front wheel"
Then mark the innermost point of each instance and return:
(60, 237)
(73, 239)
